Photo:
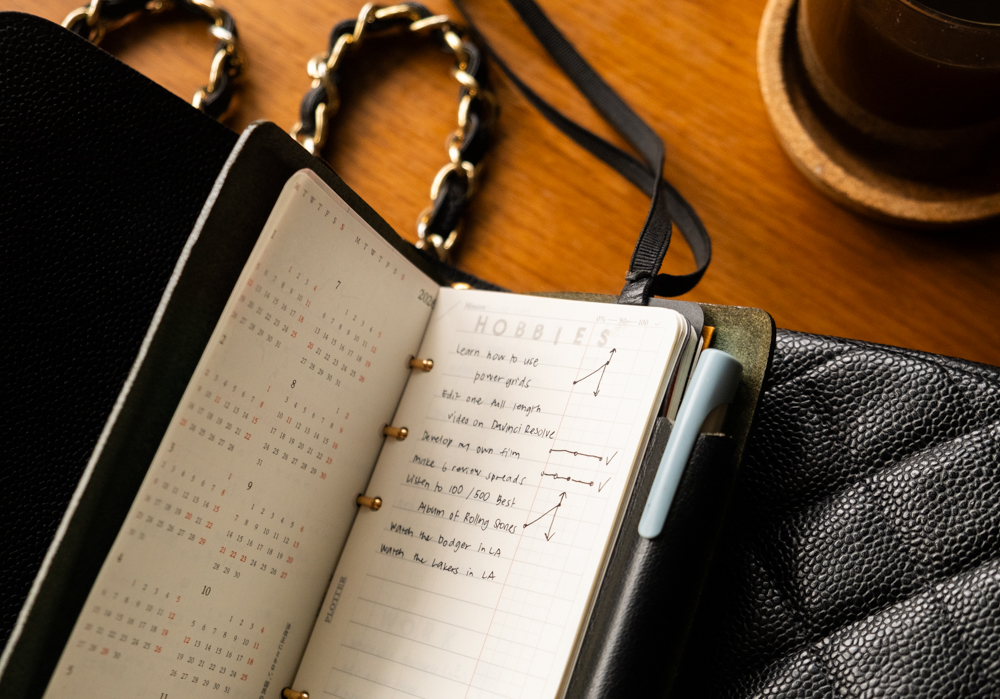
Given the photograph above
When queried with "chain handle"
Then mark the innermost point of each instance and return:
(437, 225)
(95, 19)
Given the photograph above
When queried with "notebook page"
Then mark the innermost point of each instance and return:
(473, 578)
(213, 582)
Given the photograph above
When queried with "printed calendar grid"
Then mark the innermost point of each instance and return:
(220, 514)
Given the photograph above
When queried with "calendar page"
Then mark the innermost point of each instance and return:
(214, 580)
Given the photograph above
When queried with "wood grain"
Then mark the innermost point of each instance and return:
(549, 217)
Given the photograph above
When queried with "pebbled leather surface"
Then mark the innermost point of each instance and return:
(103, 175)
(860, 554)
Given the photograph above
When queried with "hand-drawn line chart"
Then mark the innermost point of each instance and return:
(554, 510)
(580, 453)
(576, 453)
(600, 369)
(557, 477)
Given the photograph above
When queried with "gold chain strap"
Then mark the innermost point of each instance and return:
(322, 66)
(227, 63)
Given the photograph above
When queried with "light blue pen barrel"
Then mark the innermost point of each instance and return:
(714, 383)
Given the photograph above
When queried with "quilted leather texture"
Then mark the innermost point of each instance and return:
(860, 555)
(93, 215)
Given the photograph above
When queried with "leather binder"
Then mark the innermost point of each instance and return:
(659, 577)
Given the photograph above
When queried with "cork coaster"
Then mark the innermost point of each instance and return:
(842, 170)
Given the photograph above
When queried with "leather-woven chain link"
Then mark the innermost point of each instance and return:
(455, 183)
(94, 20)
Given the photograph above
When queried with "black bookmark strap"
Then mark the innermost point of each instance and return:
(643, 279)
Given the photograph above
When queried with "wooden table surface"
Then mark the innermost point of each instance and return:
(550, 217)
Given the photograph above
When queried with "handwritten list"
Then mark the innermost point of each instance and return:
(474, 577)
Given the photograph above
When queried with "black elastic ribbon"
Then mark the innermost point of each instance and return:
(666, 203)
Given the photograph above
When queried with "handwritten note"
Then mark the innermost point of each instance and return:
(474, 577)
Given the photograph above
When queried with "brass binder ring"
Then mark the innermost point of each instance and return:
(454, 184)
(94, 20)
(371, 503)
(289, 693)
(397, 432)
(422, 364)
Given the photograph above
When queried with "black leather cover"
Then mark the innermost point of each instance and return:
(636, 633)
(860, 557)
(103, 174)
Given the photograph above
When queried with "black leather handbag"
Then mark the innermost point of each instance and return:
(859, 552)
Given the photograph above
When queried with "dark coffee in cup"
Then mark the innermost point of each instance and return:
(919, 80)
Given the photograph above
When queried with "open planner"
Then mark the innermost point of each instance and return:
(377, 486)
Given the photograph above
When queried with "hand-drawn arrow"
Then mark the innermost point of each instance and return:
(553, 510)
(598, 369)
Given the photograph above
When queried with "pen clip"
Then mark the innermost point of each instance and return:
(714, 383)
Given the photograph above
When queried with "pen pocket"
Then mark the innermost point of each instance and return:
(646, 601)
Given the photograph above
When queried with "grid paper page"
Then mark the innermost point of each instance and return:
(473, 578)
